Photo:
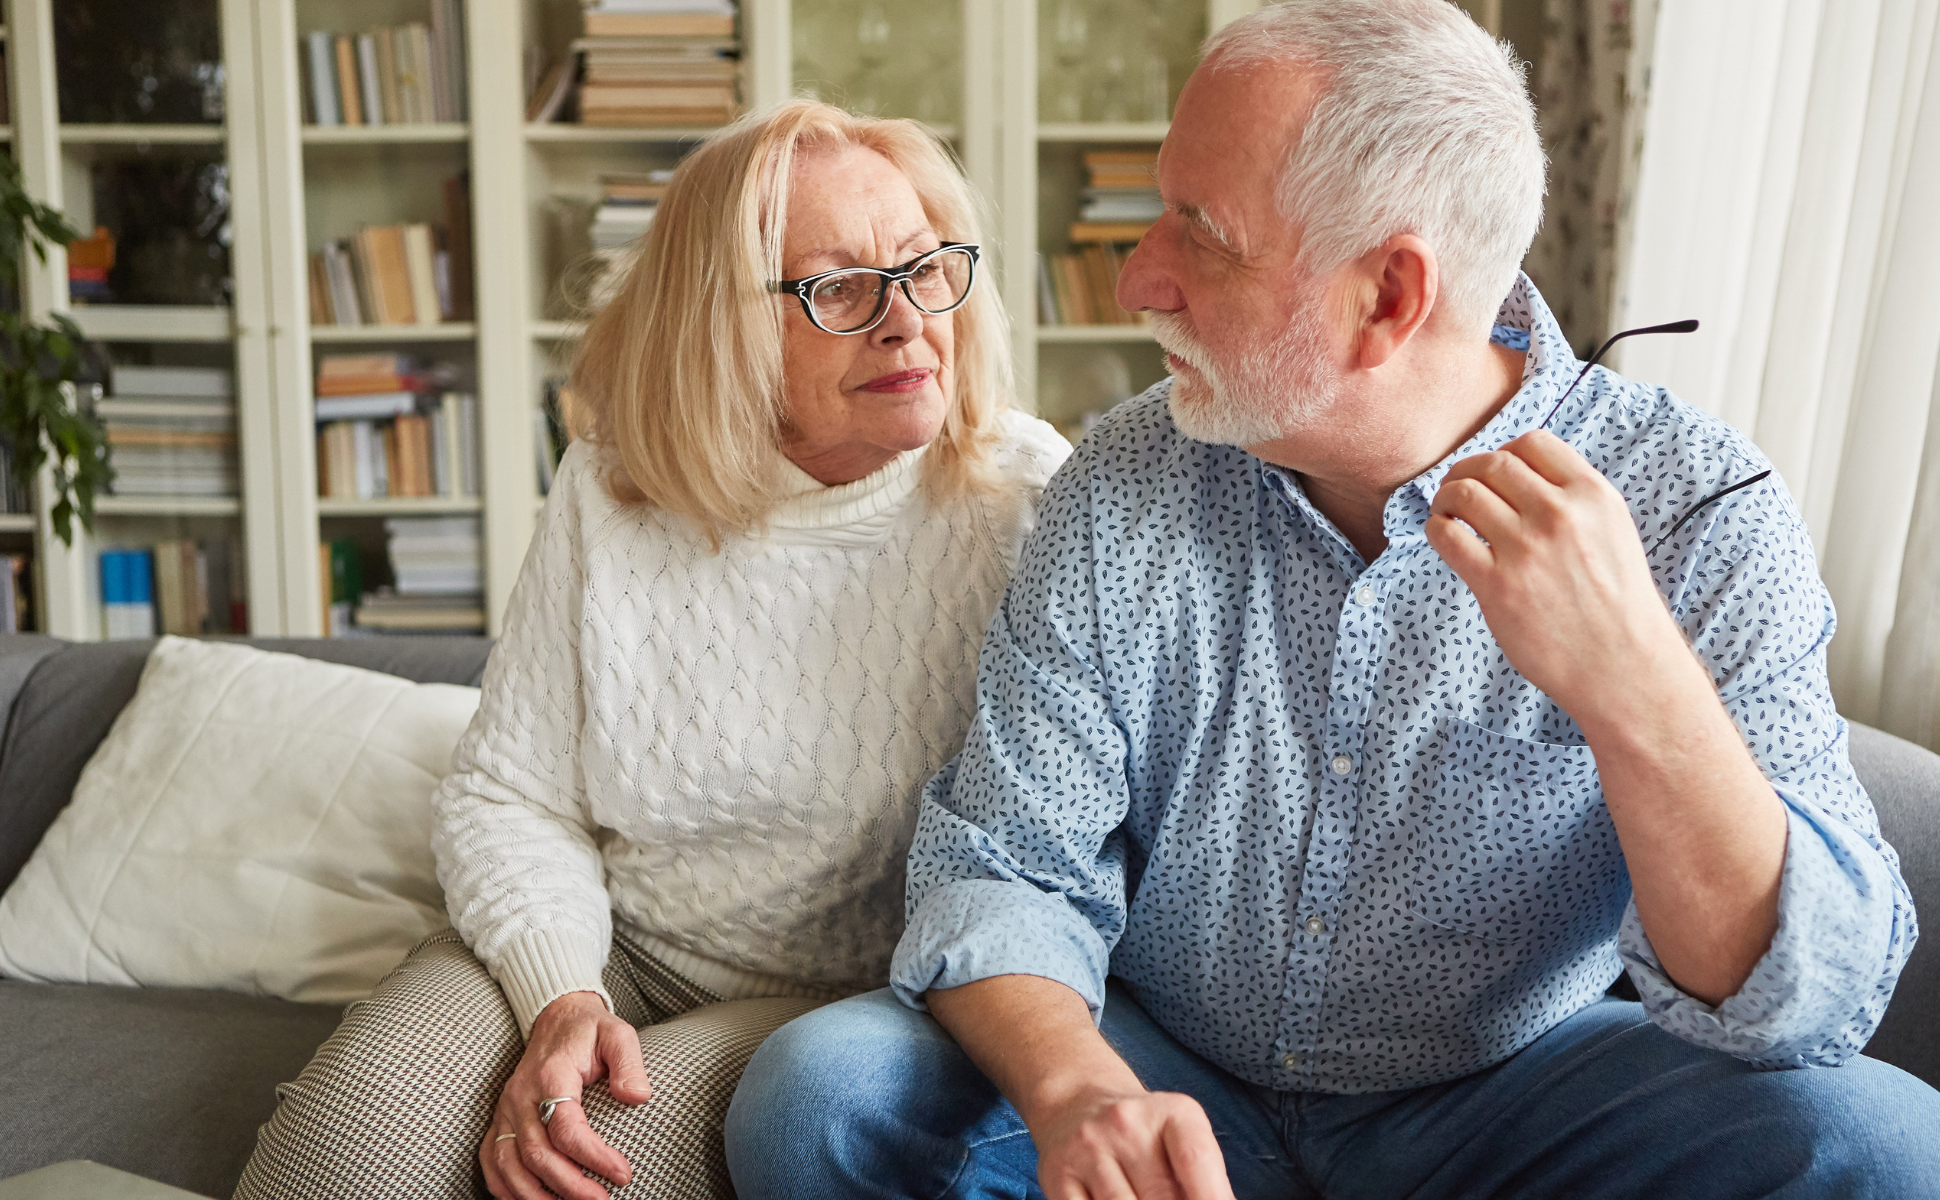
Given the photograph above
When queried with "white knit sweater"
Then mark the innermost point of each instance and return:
(725, 750)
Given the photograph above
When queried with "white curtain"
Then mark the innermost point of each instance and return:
(1786, 192)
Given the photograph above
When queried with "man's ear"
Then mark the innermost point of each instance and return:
(1402, 281)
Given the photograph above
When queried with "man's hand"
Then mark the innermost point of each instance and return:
(1562, 578)
(1111, 1145)
(574, 1042)
(1100, 1134)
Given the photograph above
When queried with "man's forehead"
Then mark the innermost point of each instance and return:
(1220, 164)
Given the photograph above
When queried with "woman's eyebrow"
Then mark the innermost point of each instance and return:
(844, 257)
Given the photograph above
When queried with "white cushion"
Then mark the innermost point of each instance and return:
(253, 821)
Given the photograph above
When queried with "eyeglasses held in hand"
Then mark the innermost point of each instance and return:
(1685, 326)
(856, 299)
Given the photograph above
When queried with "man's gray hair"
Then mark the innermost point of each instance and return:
(1422, 125)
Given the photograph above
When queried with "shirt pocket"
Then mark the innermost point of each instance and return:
(1516, 842)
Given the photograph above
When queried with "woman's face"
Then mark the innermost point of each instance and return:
(855, 402)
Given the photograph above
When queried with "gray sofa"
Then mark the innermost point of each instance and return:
(172, 1084)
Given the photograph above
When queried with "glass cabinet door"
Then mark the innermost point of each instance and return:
(135, 147)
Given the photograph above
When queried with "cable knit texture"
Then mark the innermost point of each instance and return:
(724, 751)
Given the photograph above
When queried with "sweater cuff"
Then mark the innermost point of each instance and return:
(539, 967)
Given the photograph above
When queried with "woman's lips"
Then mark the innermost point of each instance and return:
(899, 381)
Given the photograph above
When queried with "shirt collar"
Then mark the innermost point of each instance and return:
(1548, 370)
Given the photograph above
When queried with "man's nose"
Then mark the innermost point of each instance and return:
(1146, 280)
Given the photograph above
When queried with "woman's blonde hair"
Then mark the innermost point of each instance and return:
(679, 379)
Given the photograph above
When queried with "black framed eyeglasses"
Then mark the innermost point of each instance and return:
(1689, 325)
(856, 299)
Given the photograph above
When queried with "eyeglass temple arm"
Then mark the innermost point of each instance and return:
(1688, 325)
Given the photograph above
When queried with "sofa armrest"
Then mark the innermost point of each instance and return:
(1904, 782)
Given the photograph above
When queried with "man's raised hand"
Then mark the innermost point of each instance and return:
(1558, 570)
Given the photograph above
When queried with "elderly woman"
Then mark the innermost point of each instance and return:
(744, 639)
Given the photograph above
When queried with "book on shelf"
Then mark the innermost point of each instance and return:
(385, 611)
(16, 491)
(385, 275)
(16, 593)
(132, 381)
(646, 67)
(434, 555)
(127, 594)
(628, 202)
(425, 447)
(89, 260)
(1109, 231)
(340, 572)
(610, 23)
(1081, 288)
(171, 432)
(397, 75)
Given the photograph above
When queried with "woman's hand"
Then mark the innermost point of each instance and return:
(574, 1042)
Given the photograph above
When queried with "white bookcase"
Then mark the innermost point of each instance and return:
(292, 186)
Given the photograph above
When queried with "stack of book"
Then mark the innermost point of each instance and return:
(16, 593)
(657, 63)
(386, 428)
(1081, 288)
(408, 75)
(1121, 197)
(627, 204)
(171, 431)
(181, 587)
(439, 586)
(414, 274)
(1121, 200)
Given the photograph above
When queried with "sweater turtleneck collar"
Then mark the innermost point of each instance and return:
(808, 504)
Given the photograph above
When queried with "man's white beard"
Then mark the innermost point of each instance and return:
(1270, 392)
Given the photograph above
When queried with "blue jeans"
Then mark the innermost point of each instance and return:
(869, 1098)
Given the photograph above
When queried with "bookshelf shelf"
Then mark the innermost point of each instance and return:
(385, 135)
(557, 331)
(16, 522)
(615, 134)
(394, 506)
(448, 331)
(1092, 334)
(1100, 131)
(131, 135)
(168, 506)
(154, 323)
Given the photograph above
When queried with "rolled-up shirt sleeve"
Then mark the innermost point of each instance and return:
(1018, 863)
(1761, 621)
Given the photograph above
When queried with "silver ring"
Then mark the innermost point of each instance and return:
(546, 1107)
(501, 1137)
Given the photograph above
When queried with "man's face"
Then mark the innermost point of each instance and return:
(1248, 334)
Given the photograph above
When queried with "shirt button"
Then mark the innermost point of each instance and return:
(1290, 1061)
(1342, 764)
(1365, 596)
(1316, 926)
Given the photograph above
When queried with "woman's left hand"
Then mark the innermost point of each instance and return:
(574, 1042)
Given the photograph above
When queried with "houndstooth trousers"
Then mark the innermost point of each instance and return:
(398, 1099)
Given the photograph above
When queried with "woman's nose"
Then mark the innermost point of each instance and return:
(902, 322)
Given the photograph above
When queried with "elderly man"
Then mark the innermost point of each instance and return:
(1365, 731)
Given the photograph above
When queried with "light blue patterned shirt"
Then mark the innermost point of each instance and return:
(1306, 809)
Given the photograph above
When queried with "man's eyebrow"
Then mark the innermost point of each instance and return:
(1201, 220)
